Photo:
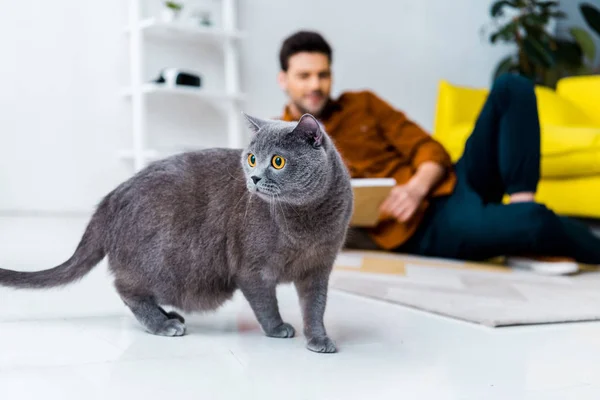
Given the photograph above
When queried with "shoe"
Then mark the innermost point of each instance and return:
(545, 265)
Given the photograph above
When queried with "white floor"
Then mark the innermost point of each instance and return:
(57, 345)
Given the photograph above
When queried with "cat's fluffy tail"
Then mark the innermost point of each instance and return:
(88, 254)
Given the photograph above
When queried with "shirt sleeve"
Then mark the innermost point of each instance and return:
(406, 136)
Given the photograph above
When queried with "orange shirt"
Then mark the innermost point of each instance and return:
(377, 141)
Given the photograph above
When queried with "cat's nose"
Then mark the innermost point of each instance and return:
(255, 179)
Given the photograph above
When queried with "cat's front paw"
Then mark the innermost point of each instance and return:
(321, 345)
(284, 330)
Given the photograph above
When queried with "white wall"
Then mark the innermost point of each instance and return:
(60, 114)
(62, 120)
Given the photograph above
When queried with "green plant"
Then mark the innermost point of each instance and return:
(174, 5)
(540, 55)
(583, 37)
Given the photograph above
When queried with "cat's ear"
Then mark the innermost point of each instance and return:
(310, 129)
(254, 123)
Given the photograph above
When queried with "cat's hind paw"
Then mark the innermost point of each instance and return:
(321, 345)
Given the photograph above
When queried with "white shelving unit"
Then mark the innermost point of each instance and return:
(227, 36)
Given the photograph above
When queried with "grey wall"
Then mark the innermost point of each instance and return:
(574, 18)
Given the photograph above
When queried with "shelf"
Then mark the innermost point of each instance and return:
(186, 91)
(178, 30)
(165, 33)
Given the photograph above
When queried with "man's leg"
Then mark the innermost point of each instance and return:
(521, 229)
(463, 227)
(502, 155)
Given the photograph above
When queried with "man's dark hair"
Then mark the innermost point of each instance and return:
(303, 41)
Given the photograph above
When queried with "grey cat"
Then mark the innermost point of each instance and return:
(190, 230)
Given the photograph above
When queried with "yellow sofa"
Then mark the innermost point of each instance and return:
(570, 138)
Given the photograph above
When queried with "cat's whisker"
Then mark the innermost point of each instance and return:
(272, 204)
(287, 228)
(233, 177)
(293, 209)
(300, 219)
(247, 204)
(241, 198)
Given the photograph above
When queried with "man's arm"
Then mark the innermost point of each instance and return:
(404, 200)
(428, 157)
(406, 136)
(428, 175)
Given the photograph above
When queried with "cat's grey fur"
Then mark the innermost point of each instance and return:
(190, 230)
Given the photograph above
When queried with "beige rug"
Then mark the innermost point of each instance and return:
(488, 294)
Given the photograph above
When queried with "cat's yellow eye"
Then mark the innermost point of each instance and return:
(278, 162)
(252, 160)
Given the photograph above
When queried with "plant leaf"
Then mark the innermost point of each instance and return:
(558, 14)
(584, 70)
(568, 54)
(536, 20)
(585, 41)
(174, 5)
(537, 52)
(591, 16)
(505, 33)
(550, 77)
(496, 9)
(505, 65)
(547, 4)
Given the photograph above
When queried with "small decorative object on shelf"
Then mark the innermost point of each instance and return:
(202, 18)
(173, 77)
(171, 11)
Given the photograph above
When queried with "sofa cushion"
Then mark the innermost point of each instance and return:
(566, 151)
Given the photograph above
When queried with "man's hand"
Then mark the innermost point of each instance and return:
(402, 203)
(404, 200)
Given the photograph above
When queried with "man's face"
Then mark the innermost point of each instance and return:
(307, 82)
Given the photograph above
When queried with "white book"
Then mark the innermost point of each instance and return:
(373, 182)
(369, 194)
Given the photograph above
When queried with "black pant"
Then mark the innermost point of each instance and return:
(502, 155)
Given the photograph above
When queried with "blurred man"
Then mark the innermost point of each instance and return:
(438, 208)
